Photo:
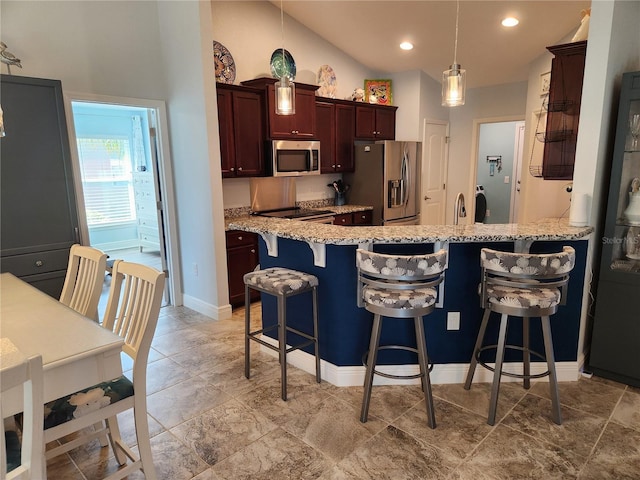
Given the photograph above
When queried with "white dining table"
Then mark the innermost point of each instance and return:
(76, 351)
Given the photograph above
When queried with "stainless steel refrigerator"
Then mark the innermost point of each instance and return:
(387, 177)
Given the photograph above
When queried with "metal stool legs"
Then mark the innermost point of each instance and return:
(553, 379)
(501, 345)
(282, 337)
(422, 361)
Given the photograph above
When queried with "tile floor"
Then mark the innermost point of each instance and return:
(208, 422)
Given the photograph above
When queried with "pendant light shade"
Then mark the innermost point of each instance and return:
(285, 96)
(285, 88)
(454, 79)
(453, 86)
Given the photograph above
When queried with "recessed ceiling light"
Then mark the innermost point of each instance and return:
(406, 46)
(510, 22)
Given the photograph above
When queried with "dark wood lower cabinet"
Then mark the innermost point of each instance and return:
(355, 218)
(242, 257)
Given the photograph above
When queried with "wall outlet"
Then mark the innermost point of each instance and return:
(195, 269)
(506, 179)
(453, 321)
(488, 214)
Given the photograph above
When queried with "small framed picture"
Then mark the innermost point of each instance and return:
(545, 83)
(378, 91)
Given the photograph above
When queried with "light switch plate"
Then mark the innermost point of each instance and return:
(506, 179)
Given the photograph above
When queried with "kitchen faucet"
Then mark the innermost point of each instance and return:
(460, 210)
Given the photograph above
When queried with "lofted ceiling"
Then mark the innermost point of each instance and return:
(371, 31)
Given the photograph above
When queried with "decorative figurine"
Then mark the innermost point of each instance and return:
(8, 58)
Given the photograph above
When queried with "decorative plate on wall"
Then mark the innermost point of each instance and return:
(327, 81)
(282, 64)
(224, 64)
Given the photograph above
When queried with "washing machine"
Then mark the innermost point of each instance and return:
(481, 204)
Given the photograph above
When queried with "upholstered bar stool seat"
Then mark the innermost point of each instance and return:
(398, 286)
(281, 283)
(521, 285)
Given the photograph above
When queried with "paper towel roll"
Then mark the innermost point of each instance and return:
(579, 214)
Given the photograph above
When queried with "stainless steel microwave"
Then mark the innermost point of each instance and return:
(293, 158)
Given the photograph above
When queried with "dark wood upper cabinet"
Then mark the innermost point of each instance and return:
(302, 125)
(375, 122)
(241, 127)
(563, 110)
(336, 132)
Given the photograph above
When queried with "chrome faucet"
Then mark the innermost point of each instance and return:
(460, 210)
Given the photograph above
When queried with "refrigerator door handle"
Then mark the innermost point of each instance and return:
(406, 177)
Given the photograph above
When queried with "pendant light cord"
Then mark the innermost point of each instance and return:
(282, 30)
(455, 47)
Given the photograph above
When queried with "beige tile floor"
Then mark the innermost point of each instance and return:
(208, 422)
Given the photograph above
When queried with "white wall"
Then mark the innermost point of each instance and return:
(146, 50)
(499, 102)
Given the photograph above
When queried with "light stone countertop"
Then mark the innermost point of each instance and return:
(547, 229)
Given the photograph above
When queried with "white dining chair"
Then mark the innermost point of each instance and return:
(84, 279)
(132, 312)
(21, 459)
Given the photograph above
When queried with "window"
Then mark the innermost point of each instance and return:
(106, 170)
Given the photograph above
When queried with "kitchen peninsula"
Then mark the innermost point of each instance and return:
(328, 251)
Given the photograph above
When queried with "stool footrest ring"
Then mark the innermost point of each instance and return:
(509, 374)
(388, 375)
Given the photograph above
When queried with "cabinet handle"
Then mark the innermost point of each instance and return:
(239, 169)
(239, 237)
(339, 166)
(232, 169)
(333, 166)
(253, 250)
(39, 263)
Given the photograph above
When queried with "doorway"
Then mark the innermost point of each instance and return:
(498, 167)
(120, 174)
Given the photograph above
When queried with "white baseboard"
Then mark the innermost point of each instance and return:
(352, 376)
(213, 311)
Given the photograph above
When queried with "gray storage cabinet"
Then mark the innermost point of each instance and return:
(39, 220)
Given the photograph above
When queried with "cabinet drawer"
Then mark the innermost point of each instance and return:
(151, 231)
(363, 218)
(343, 219)
(36, 263)
(237, 238)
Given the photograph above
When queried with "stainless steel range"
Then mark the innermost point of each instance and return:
(276, 197)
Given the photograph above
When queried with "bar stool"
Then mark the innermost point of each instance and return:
(399, 287)
(281, 283)
(521, 285)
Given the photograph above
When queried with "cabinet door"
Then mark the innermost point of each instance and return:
(344, 137)
(363, 218)
(365, 122)
(343, 219)
(385, 123)
(225, 128)
(300, 125)
(242, 257)
(325, 120)
(249, 134)
(38, 210)
(305, 118)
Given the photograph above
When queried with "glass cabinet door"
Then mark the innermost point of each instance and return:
(626, 248)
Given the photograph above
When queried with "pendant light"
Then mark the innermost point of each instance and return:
(453, 80)
(285, 88)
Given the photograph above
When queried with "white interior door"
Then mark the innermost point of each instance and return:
(516, 185)
(433, 177)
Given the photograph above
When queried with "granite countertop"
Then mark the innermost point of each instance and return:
(547, 229)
